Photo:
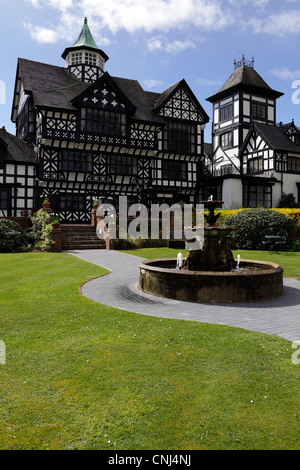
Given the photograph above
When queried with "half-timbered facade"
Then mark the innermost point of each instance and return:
(270, 157)
(101, 136)
(82, 134)
(246, 141)
(17, 175)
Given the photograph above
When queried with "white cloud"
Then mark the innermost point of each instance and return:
(152, 83)
(285, 74)
(41, 35)
(171, 47)
(140, 15)
(280, 24)
(163, 16)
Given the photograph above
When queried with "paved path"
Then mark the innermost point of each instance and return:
(280, 317)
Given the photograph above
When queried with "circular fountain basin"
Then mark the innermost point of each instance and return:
(255, 281)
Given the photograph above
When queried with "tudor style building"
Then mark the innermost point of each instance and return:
(253, 160)
(17, 175)
(81, 133)
(97, 135)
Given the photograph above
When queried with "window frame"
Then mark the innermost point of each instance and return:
(84, 164)
(293, 165)
(180, 137)
(226, 112)
(77, 202)
(230, 139)
(174, 170)
(253, 191)
(255, 166)
(126, 166)
(256, 111)
(6, 207)
(103, 122)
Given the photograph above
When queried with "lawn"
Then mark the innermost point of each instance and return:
(80, 375)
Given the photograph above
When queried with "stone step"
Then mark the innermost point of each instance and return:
(81, 237)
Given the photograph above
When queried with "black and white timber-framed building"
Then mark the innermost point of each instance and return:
(101, 136)
(83, 134)
(253, 160)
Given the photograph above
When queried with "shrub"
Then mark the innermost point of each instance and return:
(41, 230)
(251, 224)
(12, 237)
(288, 201)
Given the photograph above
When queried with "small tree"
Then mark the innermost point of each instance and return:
(41, 230)
(288, 201)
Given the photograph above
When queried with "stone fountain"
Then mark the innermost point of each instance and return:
(211, 274)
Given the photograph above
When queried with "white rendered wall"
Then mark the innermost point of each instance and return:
(232, 193)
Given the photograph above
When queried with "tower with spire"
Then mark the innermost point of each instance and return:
(84, 59)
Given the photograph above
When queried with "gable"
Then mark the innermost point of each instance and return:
(291, 129)
(254, 143)
(181, 103)
(104, 94)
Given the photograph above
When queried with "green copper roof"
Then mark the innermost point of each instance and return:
(85, 38)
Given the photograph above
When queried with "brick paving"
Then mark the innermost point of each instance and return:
(279, 317)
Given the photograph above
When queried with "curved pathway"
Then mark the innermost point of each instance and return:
(280, 317)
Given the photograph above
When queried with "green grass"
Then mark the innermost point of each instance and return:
(80, 375)
(289, 261)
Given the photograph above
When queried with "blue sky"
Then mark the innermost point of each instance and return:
(159, 42)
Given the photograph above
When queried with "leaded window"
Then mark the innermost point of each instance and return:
(257, 195)
(226, 112)
(73, 202)
(256, 165)
(259, 111)
(102, 122)
(123, 165)
(76, 58)
(90, 58)
(72, 160)
(214, 190)
(4, 198)
(226, 139)
(174, 170)
(180, 137)
(293, 164)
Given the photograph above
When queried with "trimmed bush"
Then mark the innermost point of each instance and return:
(253, 223)
(12, 237)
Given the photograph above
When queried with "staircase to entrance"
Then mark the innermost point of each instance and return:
(80, 237)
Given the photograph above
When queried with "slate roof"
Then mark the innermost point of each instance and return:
(15, 149)
(247, 79)
(49, 85)
(275, 136)
(52, 86)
